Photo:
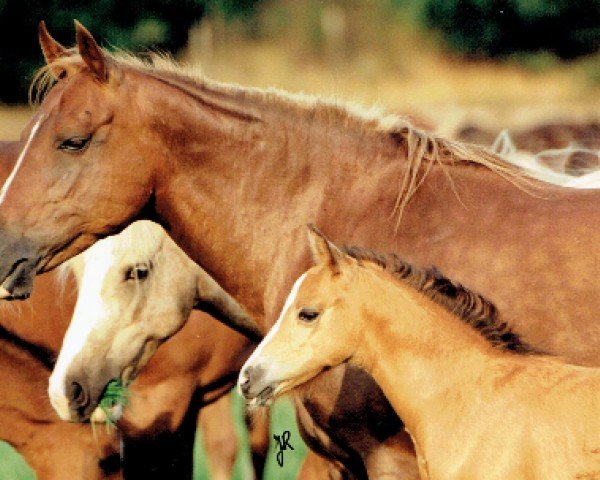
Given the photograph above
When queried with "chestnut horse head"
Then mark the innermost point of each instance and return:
(72, 182)
(136, 290)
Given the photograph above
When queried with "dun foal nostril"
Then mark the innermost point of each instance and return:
(248, 377)
(244, 381)
(78, 396)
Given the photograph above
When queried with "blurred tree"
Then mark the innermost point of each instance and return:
(494, 28)
(127, 24)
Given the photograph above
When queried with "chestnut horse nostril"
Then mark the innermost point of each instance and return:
(78, 396)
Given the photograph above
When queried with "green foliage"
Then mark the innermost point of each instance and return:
(127, 24)
(501, 27)
(13, 465)
(282, 418)
(115, 395)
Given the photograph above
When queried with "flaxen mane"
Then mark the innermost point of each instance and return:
(423, 149)
(474, 309)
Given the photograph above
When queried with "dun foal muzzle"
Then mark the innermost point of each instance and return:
(251, 384)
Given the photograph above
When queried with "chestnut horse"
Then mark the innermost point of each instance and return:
(475, 400)
(192, 371)
(231, 172)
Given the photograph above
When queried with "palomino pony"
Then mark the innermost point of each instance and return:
(473, 410)
(136, 289)
(188, 373)
(231, 171)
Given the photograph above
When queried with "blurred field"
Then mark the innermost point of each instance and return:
(368, 56)
(13, 467)
(376, 57)
(282, 418)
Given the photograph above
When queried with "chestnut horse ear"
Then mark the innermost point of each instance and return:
(323, 251)
(90, 52)
(51, 49)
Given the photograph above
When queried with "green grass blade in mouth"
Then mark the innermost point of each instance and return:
(114, 395)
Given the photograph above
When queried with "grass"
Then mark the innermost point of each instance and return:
(14, 467)
(115, 395)
(282, 418)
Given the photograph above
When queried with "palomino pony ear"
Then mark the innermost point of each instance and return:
(90, 52)
(213, 299)
(323, 251)
(52, 50)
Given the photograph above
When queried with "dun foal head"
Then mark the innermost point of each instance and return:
(136, 289)
(314, 330)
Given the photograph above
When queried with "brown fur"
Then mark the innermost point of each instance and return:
(187, 373)
(302, 162)
(423, 148)
(545, 139)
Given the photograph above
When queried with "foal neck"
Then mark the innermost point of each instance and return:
(418, 352)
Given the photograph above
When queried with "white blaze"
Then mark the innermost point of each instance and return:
(15, 169)
(274, 329)
(89, 312)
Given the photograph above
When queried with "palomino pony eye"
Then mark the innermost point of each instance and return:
(137, 272)
(308, 314)
(75, 144)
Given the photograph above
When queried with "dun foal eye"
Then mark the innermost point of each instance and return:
(308, 314)
(75, 144)
(138, 272)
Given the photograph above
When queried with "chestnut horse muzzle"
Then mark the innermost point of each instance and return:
(18, 265)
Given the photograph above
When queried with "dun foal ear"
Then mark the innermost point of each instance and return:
(323, 251)
(90, 52)
(52, 50)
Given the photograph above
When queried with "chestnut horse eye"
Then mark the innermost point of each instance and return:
(75, 144)
(138, 272)
(308, 314)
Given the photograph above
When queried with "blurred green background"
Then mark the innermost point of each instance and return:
(14, 467)
(540, 32)
(282, 418)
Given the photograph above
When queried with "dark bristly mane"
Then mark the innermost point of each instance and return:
(474, 309)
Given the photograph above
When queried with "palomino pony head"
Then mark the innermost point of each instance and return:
(306, 339)
(78, 177)
(136, 290)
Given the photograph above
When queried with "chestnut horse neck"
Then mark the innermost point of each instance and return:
(296, 153)
(225, 157)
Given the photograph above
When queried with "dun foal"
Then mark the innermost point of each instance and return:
(474, 406)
